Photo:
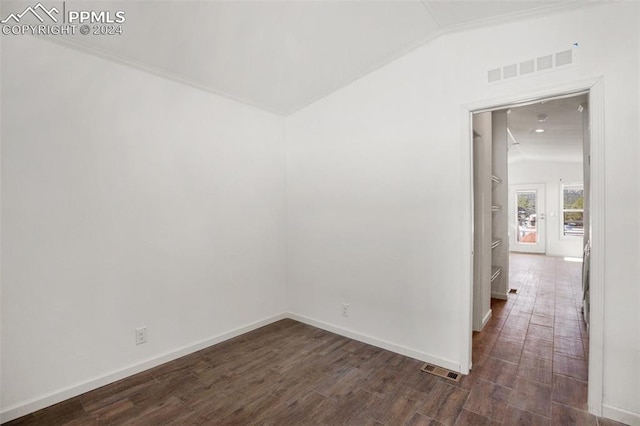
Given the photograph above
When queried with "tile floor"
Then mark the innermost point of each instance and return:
(530, 368)
(531, 358)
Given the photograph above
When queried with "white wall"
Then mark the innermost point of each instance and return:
(376, 174)
(127, 200)
(552, 175)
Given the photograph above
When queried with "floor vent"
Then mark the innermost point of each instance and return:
(514, 291)
(441, 372)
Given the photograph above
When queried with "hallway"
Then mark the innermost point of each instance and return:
(535, 347)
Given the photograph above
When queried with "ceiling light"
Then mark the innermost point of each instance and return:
(542, 117)
(539, 130)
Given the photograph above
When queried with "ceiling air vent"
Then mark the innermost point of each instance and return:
(545, 62)
(564, 58)
(531, 66)
(527, 67)
(510, 71)
(495, 75)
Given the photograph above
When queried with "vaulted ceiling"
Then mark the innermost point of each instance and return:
(282, 55)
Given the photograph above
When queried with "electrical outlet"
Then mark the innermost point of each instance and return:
(141, 335)
(345, 309)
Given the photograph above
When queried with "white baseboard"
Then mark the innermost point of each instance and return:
(486, 318)
(44, 401)
(26, 407)
(620, 415)
(402, 350)
(499, 296)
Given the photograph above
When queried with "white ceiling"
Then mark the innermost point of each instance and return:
(562, 139)
(283, 55)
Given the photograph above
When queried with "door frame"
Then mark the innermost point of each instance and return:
(595, 89)
(541, 200)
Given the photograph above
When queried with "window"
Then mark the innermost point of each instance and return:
(573, 210)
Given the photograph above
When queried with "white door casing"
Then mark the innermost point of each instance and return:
(595, 87)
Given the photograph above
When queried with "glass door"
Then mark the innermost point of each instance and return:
(529, 221)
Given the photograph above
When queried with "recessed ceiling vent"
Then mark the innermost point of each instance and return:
(564, 58)
(531, 66)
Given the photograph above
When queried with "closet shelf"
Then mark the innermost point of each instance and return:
(495, 272)
(495, 243)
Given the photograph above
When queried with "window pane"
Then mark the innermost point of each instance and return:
(573, 206)
(573, 198)
(527, 225)
(573, 223)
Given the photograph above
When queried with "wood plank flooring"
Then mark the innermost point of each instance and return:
(530, 368)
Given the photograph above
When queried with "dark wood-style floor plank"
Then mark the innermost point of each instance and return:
(529, 368)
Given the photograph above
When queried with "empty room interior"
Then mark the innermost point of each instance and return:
(320, 212)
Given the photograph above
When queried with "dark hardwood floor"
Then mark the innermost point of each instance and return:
(530, 368)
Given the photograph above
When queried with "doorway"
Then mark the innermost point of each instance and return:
(593, 206)
(518, 146)
(522, 157)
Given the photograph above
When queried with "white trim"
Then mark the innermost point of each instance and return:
(30, 406)
(26, 407)
(499, 296)
(467, 237)
(620, 415)
(393, 347)
(44, 401)
(486, 318)
(597, 256)
(499, 105)
(595, 87)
